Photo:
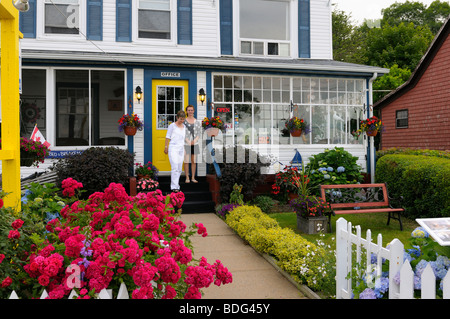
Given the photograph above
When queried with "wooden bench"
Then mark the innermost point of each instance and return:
(359, 199)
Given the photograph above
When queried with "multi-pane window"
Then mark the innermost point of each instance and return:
(62, 16)
(88, 105)
(154, 19)
(264, 27)
(255, 108)
(401, 119)
(169, 101)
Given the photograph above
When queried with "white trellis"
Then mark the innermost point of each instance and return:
(346, 239)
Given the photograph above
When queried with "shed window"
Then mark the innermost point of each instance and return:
(401, 119)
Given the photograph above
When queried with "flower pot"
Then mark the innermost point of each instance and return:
(372, 133)
(312, 225)
(296, 133)
(140, 176)
(130, 130)
(213, 131)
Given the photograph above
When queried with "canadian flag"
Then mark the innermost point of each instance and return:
(36, 135)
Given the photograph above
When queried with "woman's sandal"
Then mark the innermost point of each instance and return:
(187, 180)
(194, 180)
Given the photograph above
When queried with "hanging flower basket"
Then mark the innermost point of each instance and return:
(130, 130)
(296, 126)
(296, 133)
(372, 133)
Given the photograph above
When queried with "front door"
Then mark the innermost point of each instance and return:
(169, 97)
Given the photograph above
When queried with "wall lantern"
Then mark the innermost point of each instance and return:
(202, 95)
(138, 93)
(21, 5)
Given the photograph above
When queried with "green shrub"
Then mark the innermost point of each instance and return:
(245, 170)
(335, 166)
(265, 203)
(412, 151)
(96, 168)
(294, 254)
(421, 184)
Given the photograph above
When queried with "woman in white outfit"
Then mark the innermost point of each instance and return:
(175, 136)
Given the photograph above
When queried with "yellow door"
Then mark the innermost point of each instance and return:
(169, 96)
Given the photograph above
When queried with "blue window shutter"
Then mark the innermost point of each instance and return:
(94, 19)
(184, 25)
(123, 20)
(226, 27)
(304, 29)
(27, 21)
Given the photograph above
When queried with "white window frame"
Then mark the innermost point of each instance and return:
(147, 41)
(40, 22)
(51, 105)
(293, 34)
(349, 106)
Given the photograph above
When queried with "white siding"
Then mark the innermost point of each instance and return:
(138, 108)
(205, 36)
(321, 34)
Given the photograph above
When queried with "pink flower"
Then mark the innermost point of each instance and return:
(6, 282)
(201, 230)
(44, 280)
(2, 256)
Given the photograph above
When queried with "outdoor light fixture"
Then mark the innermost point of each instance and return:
(138, 93)
(202, 95)
(21, 5)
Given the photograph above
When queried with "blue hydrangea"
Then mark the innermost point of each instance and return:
(419, 232)
(340, 169)
(322, 169)
(367, 294)
(330, 169)
(326, 176)
(417, 283)
(415, 251)
(420, 267)
(443, 261)
(381, 286)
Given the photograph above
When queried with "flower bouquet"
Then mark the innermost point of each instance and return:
(296, 126)
(146, 185)
(146, 171)
(212, 125)
(130, 124)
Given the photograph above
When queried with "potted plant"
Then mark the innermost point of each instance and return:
(291, 180)
(146, 171)
(146, 185)
(312, 213)
(32, 152)
(212, 125)
(296, 126)
(129, 124)
(371, 126)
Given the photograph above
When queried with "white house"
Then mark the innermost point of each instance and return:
(259, 62)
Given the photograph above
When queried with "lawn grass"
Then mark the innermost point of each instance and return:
(376, 222)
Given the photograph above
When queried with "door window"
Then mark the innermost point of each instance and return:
(169, 102)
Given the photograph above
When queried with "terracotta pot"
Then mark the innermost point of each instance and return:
(292, 196)
(130, 130)
(213, 131)
(296, 133)
(372, 133)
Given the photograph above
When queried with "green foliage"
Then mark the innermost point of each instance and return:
(331, 167)
(390, 81)
(42, 200)
(413, 151)
(265, 203)
(300, 258)
(240, 166)
(96, 168)
(236, 197)
(421, 184)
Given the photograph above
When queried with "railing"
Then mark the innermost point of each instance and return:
(349, 246)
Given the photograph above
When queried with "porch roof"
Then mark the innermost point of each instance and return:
(312, 66)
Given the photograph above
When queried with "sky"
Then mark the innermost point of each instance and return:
(368, 9)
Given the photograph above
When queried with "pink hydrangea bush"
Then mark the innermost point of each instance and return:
(112, 238)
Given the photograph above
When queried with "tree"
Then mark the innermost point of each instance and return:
(436, 14)
(403, 45)
(389, 82)
(348, 40)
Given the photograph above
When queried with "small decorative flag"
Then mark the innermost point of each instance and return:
(36, 135)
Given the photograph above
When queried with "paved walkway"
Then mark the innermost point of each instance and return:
(253, 276)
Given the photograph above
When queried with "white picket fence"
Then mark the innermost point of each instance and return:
(104, 294)
(345, 242)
